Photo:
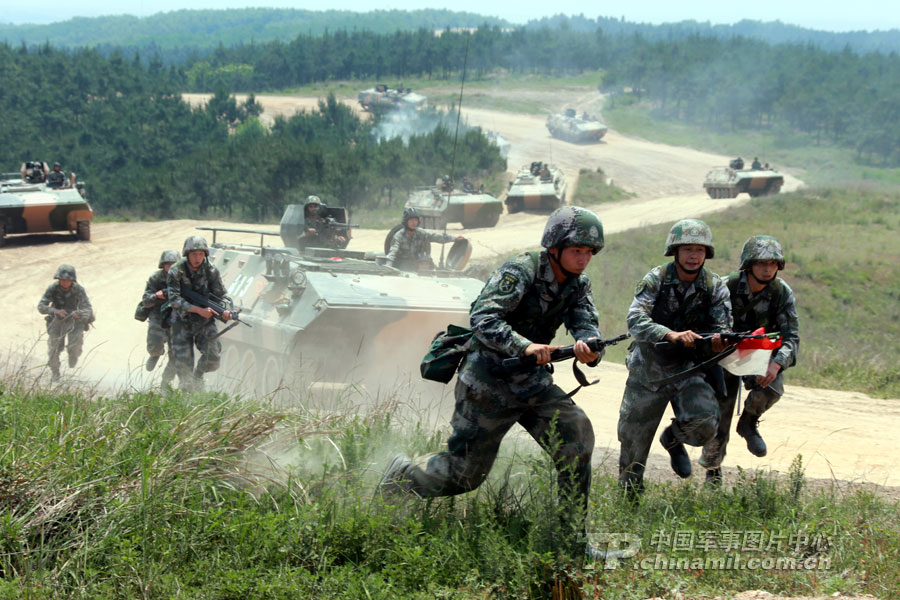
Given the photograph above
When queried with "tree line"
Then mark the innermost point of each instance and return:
(125, 130)
(837, 97)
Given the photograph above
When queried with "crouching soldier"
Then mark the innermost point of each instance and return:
(193, 325)
(674, 302)
(155, 295)
(517, 314)
(69, 314)
(759, 298)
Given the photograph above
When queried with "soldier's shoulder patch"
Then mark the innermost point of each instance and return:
(641, 286)
(508, 283)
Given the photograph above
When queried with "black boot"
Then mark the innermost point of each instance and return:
(678, 456)
(151, 363)
(746, 428)
(714, 477)
(392, 481)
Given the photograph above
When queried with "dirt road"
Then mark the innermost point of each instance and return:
(847, 436)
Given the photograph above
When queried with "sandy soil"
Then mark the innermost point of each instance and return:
(845, 436)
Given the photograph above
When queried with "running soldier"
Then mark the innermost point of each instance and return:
(517, 314)
(759, 298)
(69, 314)
(411, 246)
(155, 295)
(673, 303)
(193, 325)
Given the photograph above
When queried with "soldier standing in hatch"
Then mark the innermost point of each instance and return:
(672, 303)
(517, 314)
(759, 298)
(69, 314)
(155, 295)
(318, 233)
(194, 325)
(410, 247)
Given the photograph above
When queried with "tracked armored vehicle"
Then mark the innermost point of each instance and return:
(446, 203)
(570, 127)
(330, 315)
(37, 208)
(728, 182)
(537, 187)
(383, 96)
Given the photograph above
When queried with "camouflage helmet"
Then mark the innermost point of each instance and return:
(761, 247)
(313, 200)
(65, 272)
(573, 226)
(195, 242)
(690, 231)
(409, 213)
(168, 256)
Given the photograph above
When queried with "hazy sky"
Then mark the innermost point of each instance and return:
(815, 14)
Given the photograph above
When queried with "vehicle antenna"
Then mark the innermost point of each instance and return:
(462, 85)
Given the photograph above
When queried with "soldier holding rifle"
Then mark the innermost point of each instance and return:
(193, 325)
(516, 315)
(69, 313)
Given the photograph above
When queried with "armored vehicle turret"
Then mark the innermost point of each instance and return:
(447, 203)
(538, 186)
(570, 127)
(728, 182)
(383, 96)
(27, 207)
(327, 314)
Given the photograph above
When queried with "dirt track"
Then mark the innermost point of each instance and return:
(847, 436)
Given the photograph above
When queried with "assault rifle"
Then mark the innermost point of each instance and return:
(215, 303)
(728, 338)
(524, 363)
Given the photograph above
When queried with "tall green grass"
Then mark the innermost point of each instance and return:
(141, 495)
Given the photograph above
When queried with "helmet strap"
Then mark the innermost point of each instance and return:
(554, 258)
(758, 280)
(685, 269)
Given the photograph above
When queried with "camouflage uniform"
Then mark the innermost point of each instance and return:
(522, 303)
(74, 301)
(189, 329)
(408, 250)
(157, 330)
(664, 303)
(772, 308)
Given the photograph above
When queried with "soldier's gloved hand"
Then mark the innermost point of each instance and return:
(585, 355)
(541, 351)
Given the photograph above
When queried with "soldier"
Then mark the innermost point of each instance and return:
(672, 303)
(517, 314)
(193, 325)
(318, 234)
(410, 246)
(57, 177)
(759, 298)
(756, 165)
(155, 295)
(34, 171)
(69, 314)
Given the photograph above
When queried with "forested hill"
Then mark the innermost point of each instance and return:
(771, 32)
(209, 28)
(175, 35)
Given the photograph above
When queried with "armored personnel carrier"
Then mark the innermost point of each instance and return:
(446, 203)
(728, 182)
(570, 127)
(327, 314)
(383, 96)
(538, 186)
(37, 208)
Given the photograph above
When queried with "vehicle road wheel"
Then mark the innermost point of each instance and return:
(84, 231)
(229, 373)
(249, 370)
(271, 378)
